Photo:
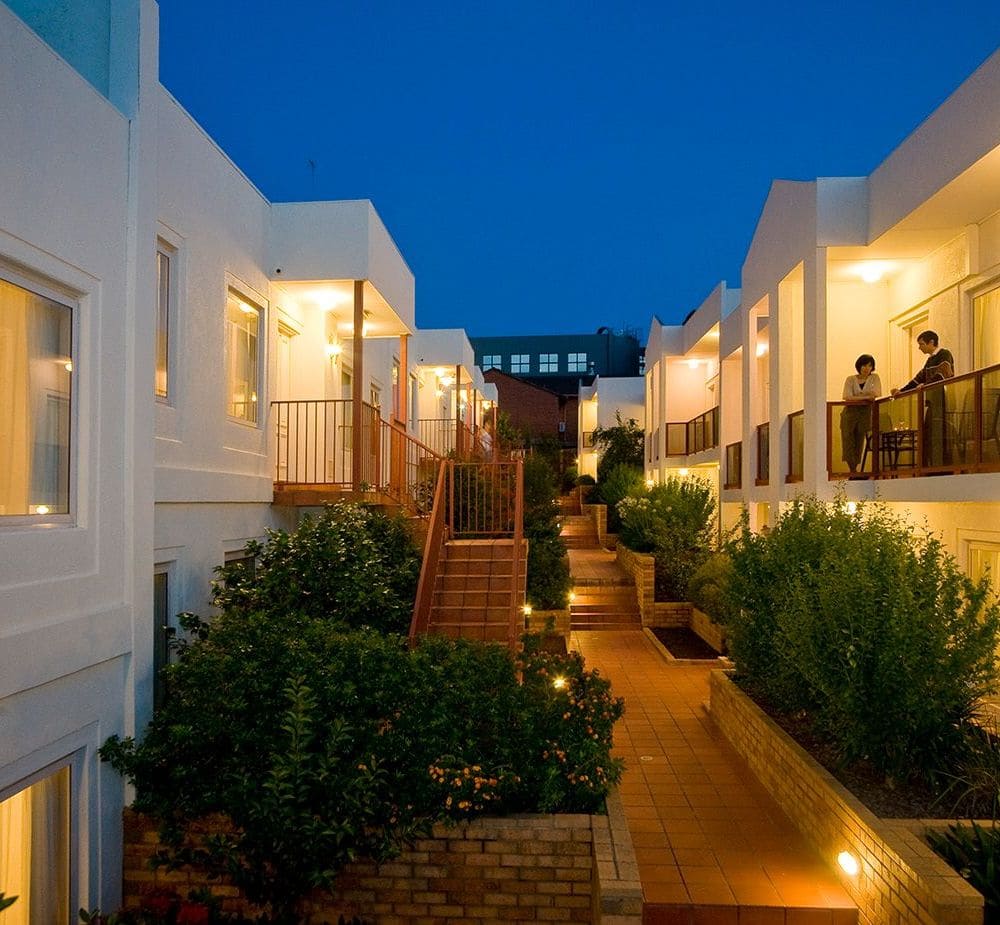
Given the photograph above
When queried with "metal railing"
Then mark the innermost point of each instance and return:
(796, 446)
(695, 436)
(409, 469)
(947, 427)
(316, 444)
(763, 454)
(734, 465)
(449, 436)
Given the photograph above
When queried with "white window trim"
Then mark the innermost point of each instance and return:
(249, 294)
(76, 301)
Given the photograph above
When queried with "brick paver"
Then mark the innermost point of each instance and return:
(711, 844)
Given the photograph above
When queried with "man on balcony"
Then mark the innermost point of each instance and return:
(940, 365)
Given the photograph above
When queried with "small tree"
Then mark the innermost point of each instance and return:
(622, 444)
(548, 580)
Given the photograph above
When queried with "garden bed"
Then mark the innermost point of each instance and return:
(682, 642)
(900, 878)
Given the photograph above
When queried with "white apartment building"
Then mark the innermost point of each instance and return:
(183, 364)
(601, 404)
(837, 268)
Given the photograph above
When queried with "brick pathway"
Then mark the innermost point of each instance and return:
(711, 845)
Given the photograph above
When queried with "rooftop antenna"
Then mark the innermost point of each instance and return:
(312, 174)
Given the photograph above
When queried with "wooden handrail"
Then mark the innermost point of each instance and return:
(436, 536)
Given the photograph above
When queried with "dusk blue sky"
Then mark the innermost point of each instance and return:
(553, 167)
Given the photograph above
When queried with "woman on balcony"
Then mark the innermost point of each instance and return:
(856, 420)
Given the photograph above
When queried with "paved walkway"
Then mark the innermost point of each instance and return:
(590, 565)
(711, 845)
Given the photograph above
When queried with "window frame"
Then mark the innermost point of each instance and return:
(520, 363)
(170, 253)
(239, 293)
(573, 361)
(491, 361)
(46, 287)
(548, 362)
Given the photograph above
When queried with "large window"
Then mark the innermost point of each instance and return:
(520, 363)
(576, 362)
(986, 329)
(36, 367)
(34, 851)
(164, 296)
(243, 325)
(548, 362)
(490, 361)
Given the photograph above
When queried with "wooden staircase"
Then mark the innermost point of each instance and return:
(605, 604)
(475, 590)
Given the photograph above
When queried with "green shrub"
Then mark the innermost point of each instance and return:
(568, 479)
(321, 745)
(622, 482)
(974, 851)
(674, 521)
(585, 479)
(870, 627)
(707, 587)
(350, 564)
(548, 579)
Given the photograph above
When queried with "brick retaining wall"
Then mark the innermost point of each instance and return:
(598, 513)
(713, 633)
(641, 567)
(523, 868)
(901, 878)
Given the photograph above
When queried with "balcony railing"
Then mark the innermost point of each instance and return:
(694, 436)
(763, 454)
(734, 465)
(948, 427)
(316, 448)
(796, 446)
(449, 436)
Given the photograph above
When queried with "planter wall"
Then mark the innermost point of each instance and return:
(901, 879)
(536, 620)
(598, 513)
(641, 567)
(670, 614)
(713, 633)
(528, 868)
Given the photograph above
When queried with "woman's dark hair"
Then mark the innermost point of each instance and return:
(927, 337)
(864, 358)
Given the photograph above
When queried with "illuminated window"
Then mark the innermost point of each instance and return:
(243, 323)
(490, 361)
(34, 851)
(520, 363)
(36, 371)
(576, 362)
(986, 329)
(984, 562)
(164, 297)
(548, 362)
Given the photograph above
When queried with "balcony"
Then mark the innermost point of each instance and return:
(320, 456)
(949, 427)
(695, 436)
(451, 437)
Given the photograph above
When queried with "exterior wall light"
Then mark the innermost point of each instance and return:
(683, 473)
(526, 610)
(848, 863)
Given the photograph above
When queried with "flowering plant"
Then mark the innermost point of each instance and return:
(164, 906)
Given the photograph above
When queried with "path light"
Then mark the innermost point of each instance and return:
(572, 596)
(526, 610)
(848, 863)
(650, 483)
(559, 683)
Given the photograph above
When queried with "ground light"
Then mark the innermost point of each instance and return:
(526, 610)
(559, 683)
(848, 863)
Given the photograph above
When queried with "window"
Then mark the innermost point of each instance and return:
(374, 395)
(986, 329)
(163, 632)
(576, 362)
(548, 362)
(984, 562)
(520, 363)
(36, 366)
(242, 340)
(34, 851)
(164, 297)
(397, 405)
(490, 361)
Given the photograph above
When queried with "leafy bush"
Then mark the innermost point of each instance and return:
(870, 627)
(673, 520)
(350, 564)
(974, 851)
(568, 479)
(548, 580)
(320, 745)
(622, 444)
(585, 479)
(707, 587)
(622, 482)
